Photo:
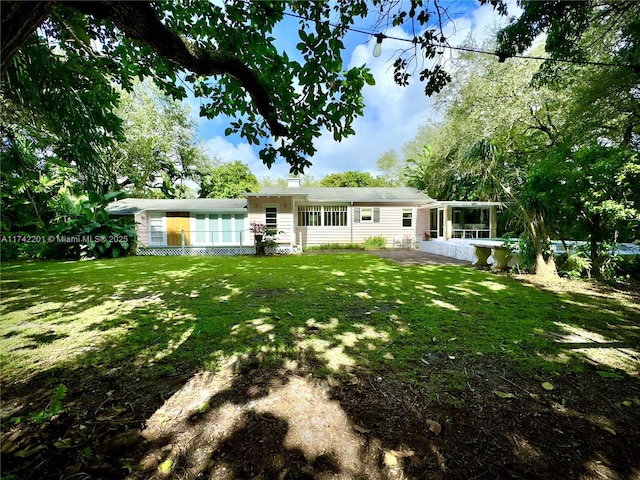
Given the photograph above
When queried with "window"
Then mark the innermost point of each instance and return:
(156, 231)
(219, 228)
(335, 215)
(271, 217)
(322, 215)
(407, 217)
(366, 214)
(201, 228)
(433, 222)
(239, 228)
(309, 215)
(226, 227)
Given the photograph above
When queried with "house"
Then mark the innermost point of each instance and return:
(195, 226)
(303, 216)
(317, 215)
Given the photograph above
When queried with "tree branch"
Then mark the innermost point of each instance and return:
(19, 20)
(138, 21)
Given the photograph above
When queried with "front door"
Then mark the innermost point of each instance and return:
(177, 222)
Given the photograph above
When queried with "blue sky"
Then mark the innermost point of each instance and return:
(392, 114)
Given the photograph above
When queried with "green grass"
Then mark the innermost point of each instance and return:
(350, 310)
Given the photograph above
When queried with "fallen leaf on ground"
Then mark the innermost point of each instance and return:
(62, 443)
(434, 426)
(165, 466)
(403, 453)
(390, 459)
(610, 430)
(360, 429)
(547, 386)
(627, 403)
(503, 394)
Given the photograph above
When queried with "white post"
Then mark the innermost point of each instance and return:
(300, 242)
(241, 235)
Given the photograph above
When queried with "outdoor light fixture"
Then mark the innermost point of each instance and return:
(377, 50)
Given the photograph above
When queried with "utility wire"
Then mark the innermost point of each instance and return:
(501, 56)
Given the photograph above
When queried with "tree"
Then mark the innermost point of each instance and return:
(281, 100)
(590, 194)
(271, 181)
(391, 168)
(352, 179)
(497, 124)
(227, 180)
(59, 105)
(159, 152)
(605, 36)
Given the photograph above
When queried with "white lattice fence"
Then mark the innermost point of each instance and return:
(217, 251)
(176, 251)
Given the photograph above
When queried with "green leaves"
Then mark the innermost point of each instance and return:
(227, 180)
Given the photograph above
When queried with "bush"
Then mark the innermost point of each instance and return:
(83, 229)
(336, 246)
(629, 268)
(375, 242)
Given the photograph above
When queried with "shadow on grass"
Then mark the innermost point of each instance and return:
(321, 365)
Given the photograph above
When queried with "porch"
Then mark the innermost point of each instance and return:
(462, 220)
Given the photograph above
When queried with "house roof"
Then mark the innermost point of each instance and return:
(130, 206)
(347, 194)
(460, 203)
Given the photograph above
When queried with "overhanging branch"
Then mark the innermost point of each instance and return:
(138, 21)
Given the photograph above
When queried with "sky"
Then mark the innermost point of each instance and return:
(392, 114)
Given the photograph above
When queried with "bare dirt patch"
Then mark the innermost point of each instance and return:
(282, 421)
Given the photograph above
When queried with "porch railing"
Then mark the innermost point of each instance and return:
(470, 233)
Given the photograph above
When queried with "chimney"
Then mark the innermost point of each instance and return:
(293, 182)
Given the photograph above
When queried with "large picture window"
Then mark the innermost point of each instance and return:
(335, 215)
(309, 215)
(322, 215)
(219, 228)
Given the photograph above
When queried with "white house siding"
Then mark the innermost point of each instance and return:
(422, 222)
(323, 235)
(142, 228)
(390, 227)
(285, 218)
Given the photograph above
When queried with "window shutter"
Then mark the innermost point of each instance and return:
(376, 215)
(356, 215)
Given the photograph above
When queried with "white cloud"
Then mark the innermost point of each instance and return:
(392, 114)
(222, 149)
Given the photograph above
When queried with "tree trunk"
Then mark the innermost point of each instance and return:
(544, 268)
(596, 238)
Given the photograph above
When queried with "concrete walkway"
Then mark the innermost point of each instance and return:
(407, 257)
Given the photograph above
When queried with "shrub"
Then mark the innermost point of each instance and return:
(375, 242)
(82, 229)
(336, 246)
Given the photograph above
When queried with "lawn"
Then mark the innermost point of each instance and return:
(315, 366)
